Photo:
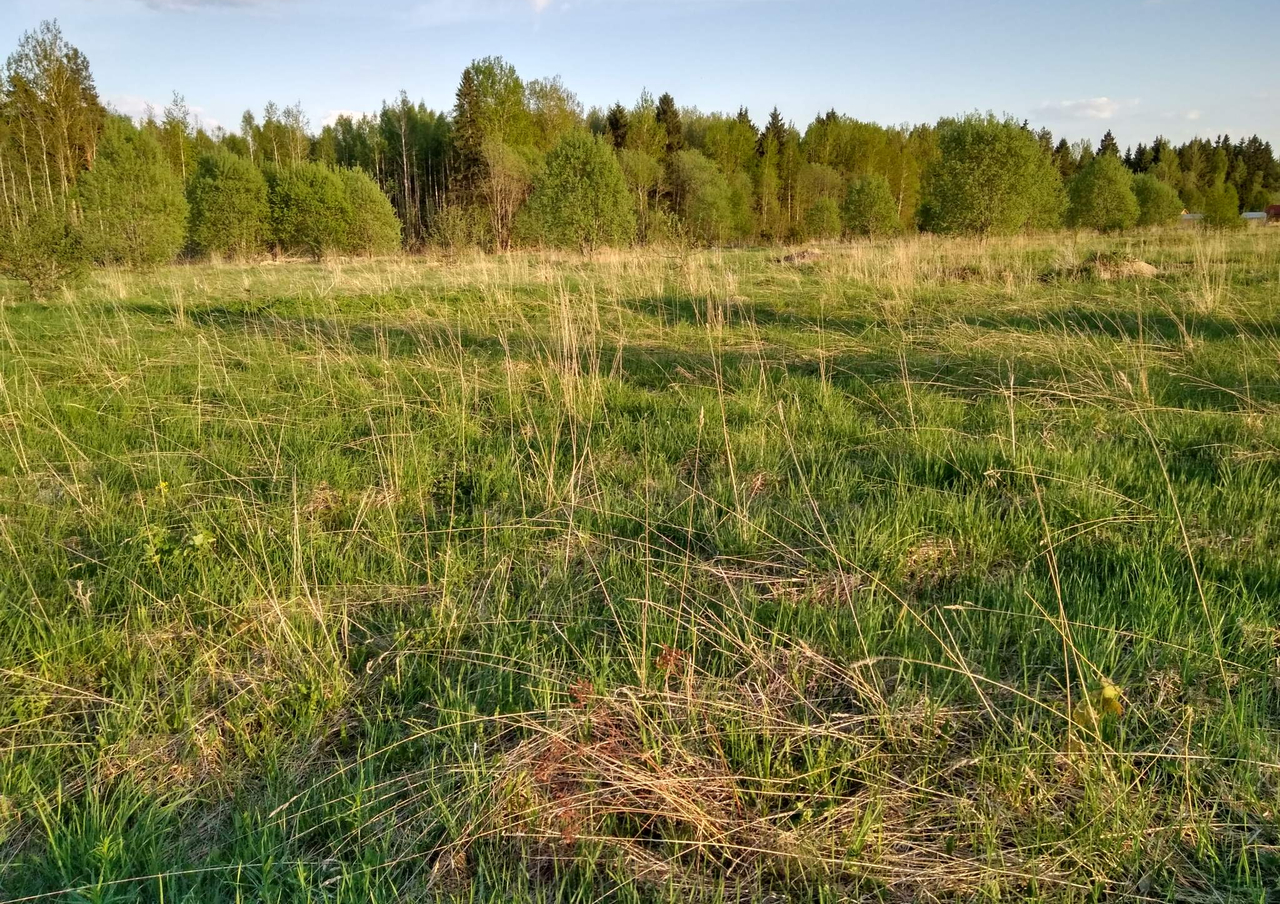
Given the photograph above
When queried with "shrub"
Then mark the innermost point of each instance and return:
(822, 220)
(1222, 207)
(580, 200)
(229, 209)
(992, 176)
(134, 209)
(372, 225)
(1158, 201)
(455, 227)
(310, 210)
(870, 208)
(1102, 196)
(45, 250)
(704, 199)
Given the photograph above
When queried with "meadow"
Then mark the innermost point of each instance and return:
(936, 569)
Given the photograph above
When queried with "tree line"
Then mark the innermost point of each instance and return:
(522, 163)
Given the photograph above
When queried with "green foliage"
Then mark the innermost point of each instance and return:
(133, 205)
(372, 226)
(1158, 202)
(1221, 207)
(44, 249)
(1102, 196)
(581, 200)
(992, 177)
(729, 142)
(668, 116)
(643, 175)
(230, 215)
(47, 91)
(870, 208)
(822, 220)
(617, 124)
(458, 227)
(708, 205)
(310, 210)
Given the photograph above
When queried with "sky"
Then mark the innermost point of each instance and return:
(1139, 67)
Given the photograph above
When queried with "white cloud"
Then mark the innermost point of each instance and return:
(1089, 108)
(332, 116)
(138, 108)
(1191, 115)
(188, 5)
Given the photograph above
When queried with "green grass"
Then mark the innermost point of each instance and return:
(647, 578)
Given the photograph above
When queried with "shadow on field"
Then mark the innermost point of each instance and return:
(970, 375)
(1130, 325)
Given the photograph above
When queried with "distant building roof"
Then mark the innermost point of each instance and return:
(1255, 215)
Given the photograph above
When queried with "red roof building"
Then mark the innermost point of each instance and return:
(1273, 212)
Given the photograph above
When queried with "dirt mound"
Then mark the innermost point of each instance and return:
(1125, 269)
(1105, 266)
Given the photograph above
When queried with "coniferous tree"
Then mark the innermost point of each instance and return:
(617, 123)
(468, 134)
(774, 133)
(668, 116)
(1109, 145)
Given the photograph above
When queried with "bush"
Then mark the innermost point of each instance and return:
(580, 199)
(705, 201)
(372, 226)
(1158, 201)
(1222, 208)
(133, 205)
(870, 208)
(229, 210)
(1102, 196)
(992, 176)
(310, 210)
(456, 227)
(822, 220)
(45, 250)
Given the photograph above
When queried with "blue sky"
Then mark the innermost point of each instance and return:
(1139, 67)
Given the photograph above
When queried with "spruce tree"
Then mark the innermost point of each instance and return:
(668, 116)
(468, 134)
(617, 123)
(775, 132)
(1109, 145)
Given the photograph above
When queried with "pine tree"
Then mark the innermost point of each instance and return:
(1109, 145)
(668, 116)
(744, 117)
(617, 123)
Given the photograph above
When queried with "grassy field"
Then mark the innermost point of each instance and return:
(930, 570)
